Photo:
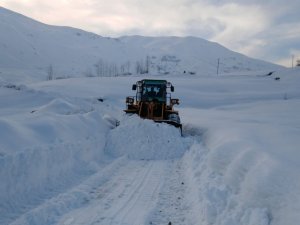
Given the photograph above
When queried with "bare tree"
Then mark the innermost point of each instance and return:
(50, 72)
(137, 67)
(147, 64)
(113, 70)
(88, 73)
(122, 69)
(127, 66)
(99, 68)
(142, 66)
(104, 68)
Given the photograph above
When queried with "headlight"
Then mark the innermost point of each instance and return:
(175, 101)
(130, 100)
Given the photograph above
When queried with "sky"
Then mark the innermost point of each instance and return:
(268, 30)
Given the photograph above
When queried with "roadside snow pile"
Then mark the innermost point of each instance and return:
(46, 150)
(145, 139)
(225, 182)
(247, 171)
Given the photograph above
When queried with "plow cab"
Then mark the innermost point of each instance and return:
(153, 101)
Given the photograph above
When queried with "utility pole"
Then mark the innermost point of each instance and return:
(293, 61)
(218, 66)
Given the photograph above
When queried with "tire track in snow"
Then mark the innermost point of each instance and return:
(126, 199)
(173, 205)
(52, 209)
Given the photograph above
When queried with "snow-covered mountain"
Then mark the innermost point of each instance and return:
(40, 49)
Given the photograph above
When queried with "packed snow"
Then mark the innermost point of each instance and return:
(64, 161)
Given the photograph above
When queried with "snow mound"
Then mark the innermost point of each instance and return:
(145, 139)
(218, 173)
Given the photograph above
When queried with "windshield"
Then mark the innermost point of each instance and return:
(154, 92)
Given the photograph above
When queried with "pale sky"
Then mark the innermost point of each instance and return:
(263, 29)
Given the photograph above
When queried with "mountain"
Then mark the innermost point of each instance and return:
(28, 45)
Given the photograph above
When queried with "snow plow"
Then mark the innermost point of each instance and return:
(153, 101)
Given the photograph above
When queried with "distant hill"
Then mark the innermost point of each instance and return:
(42, 50)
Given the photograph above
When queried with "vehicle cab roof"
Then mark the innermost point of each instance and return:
(150, 81)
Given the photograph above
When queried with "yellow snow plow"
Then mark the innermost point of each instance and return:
(153, 101)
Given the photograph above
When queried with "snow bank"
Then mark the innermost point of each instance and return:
(245, 171)
(144, 139)
(46, 150)
(216, 176)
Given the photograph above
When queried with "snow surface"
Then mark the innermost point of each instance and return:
(63, 161)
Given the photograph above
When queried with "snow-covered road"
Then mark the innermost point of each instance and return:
(148, 186)
(127, 198)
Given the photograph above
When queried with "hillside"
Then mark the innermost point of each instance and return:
(36, 50)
